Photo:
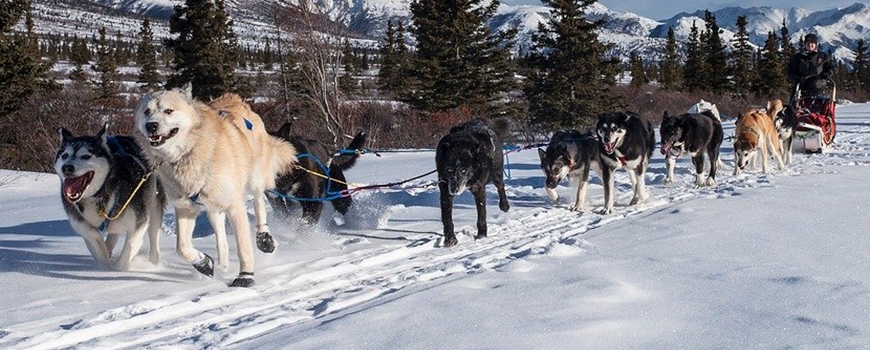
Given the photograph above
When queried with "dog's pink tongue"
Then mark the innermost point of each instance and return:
(74, 187)
(608, 147)
(666, 149)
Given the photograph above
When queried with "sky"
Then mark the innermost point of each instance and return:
(773, 261)
(657, 10)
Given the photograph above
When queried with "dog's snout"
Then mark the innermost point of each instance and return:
(152, 127)
(68, 169)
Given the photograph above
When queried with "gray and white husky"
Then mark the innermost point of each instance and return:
(101, 192)
(571, 155)
(627, 141)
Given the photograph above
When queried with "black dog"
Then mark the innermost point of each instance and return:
(695, 135)
(303, 183)
(570, 154)
(785, 122)
(470, 156)
(627, 141)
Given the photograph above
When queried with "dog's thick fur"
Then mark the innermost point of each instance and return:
(301, 183)
(570, 154)
(755, 130)
(211, 156)
(470, 156)
(100, 174)
(785, 122)
(626, 141)
(693, 134)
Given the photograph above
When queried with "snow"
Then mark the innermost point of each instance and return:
(768, 261)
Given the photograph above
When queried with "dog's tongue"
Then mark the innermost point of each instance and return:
(608, 148)
(74, 187)
(665, 149)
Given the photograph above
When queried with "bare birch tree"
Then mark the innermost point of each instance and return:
(314, 58)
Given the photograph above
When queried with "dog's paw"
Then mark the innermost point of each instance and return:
(450, 241)
(205, 265)
(605, 211)
(245, 280)
(265, 242)
(154, 258)
(578, 207)
(668, 181)
(710, 182)
(121, 266)
(504, 206)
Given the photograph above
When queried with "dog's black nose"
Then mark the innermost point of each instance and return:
(152, 127)
(68, 169)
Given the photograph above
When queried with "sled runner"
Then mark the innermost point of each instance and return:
(816, 120)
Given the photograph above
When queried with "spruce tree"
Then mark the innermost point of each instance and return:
(669, 73)
(205, 51)
(694, 70)
(771, 79)
(742, 70)
(638, 73)
(459, 61)
(716, 58)
(80, 56)
(570, 79)
(393, 75)
(106, 68)
(347, 82)
(21, 72)
(788, 50)
(146, 57)
(861, 67)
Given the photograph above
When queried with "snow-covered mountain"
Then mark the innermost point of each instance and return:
(837, 28)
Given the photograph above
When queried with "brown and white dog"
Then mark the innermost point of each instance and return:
(755, 129)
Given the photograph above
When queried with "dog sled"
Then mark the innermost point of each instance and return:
(816, 119)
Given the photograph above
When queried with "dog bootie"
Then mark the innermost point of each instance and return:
(245, 279)
(205, 265)
(265, 242)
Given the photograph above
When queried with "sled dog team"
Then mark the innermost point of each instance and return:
(211, 157)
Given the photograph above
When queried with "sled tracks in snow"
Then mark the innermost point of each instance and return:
(342, 283)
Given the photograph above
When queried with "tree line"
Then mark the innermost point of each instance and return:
(456, 63)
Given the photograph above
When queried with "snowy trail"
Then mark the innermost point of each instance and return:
(300, 292)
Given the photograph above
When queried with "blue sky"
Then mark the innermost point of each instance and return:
(659, 10)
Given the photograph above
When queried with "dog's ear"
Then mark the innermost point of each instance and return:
(542, 154)
(188, 90)
(103, 136)
(739, 115)
(284, 131)
(65, 135)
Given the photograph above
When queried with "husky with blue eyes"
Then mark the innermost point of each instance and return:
(106, 188)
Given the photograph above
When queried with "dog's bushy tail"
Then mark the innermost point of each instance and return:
(283, 155)
(502, 127)
(346, 161)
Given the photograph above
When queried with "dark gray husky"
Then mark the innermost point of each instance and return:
(105, 187)
(470, 156)
(695, 135)
(570, 154)
(627, 141)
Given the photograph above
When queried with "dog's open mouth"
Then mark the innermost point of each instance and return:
(74, 187)
(672, 150)
(608, 147)
(157, 140)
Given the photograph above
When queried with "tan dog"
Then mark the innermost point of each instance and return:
(755, 129)
(206, 160)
